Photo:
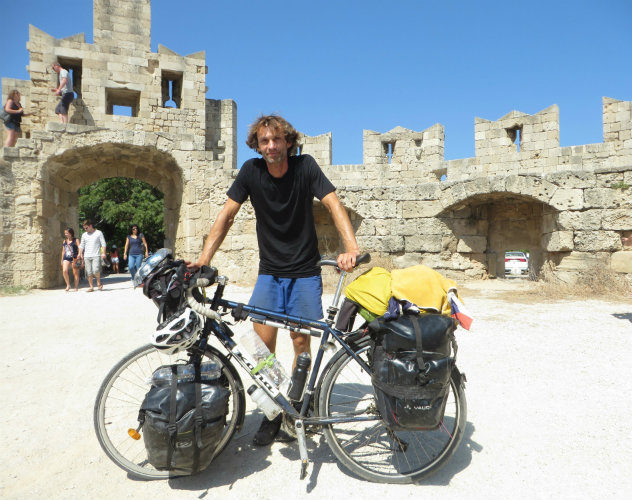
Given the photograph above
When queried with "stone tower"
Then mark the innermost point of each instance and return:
(137, 114)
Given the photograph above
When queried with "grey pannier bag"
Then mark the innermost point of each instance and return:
(412, 361)
(183, 420)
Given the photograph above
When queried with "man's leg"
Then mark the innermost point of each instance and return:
(301, 344)
(303, 299)
(267, 295)
(268, 334)
(89, 272)
(97, 272)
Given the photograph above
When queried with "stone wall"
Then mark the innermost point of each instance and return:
(567, 206)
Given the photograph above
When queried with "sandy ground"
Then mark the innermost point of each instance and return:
(549, 407)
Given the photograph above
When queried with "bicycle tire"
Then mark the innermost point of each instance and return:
(367, 448)
(122, 392)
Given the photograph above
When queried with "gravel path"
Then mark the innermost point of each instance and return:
(549, 407)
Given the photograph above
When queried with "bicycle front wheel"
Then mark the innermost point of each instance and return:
(368, 448)
(123, 391)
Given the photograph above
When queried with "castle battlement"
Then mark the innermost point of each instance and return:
(145, 115)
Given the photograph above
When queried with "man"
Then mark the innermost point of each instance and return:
(64, 89)
(92, 250)
(281, 189)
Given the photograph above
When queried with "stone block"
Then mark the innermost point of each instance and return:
(415, 209)
(558, 241)
(607, 198)
(423, 243)
(388, 244)
(568, 199)
(588, 219)
(617, 219)
(597, 241)
(472, 244)
(621, 262)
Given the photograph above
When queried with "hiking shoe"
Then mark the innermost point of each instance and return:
(267, 431)
(287, 433)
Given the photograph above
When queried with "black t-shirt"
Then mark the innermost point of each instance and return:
(288, 246)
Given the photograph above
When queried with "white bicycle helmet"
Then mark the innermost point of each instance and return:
(177, 333)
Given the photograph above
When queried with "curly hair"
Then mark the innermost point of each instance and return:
(275, 122)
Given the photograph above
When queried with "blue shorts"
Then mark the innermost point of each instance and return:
(295, 296)
(12, 126)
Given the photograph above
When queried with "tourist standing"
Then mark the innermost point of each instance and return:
(135, 248)
(69, 254)
(92, 250)
(281, 187)
(64, 89)
(13, 123)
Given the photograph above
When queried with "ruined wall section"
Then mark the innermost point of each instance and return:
(168, 139)
(122, 27)
(317, 146)
(221, 135)
(163, 92)
(519, 143)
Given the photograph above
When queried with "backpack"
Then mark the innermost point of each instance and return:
(4, 115)
(412, 361)
(183, 416)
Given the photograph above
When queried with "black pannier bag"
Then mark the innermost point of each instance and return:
(182, 422)
(412, 364)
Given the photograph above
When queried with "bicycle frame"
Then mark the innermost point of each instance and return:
(315, 328)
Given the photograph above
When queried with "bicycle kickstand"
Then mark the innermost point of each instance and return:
(302, 446)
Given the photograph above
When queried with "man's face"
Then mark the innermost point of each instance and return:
(272, 145)
(55, 68)
(87, 228)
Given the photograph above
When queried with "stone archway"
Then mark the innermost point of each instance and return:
(484, 227)
(65, 173)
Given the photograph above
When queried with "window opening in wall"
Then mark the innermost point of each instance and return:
(171, 89)
(122, 110)
(389, 150)
(515, 134)
(122, 102)
(74, 67)
(299, 148)
(417, 143)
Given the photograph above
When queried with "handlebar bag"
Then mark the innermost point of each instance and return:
(182, 424)
(412, 362)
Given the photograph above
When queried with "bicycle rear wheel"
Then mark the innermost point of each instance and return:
(122, 392)
(368, 448)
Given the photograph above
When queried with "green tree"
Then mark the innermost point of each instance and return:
(116, 203)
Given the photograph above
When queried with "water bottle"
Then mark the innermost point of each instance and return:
(299, 376)
(209, 371)
(266, 361)
(264, 402)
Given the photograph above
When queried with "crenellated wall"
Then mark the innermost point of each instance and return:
(567, 206)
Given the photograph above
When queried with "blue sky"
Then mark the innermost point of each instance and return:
(344, 66)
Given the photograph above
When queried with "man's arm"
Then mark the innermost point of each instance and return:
(218, 232)
(82, 245)
(103, 245)
(346, 260)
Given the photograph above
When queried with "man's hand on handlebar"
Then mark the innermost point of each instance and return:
(346, 261)
(193, 266)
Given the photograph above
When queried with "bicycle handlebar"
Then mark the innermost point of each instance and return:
(365, 258)
(209, 277)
